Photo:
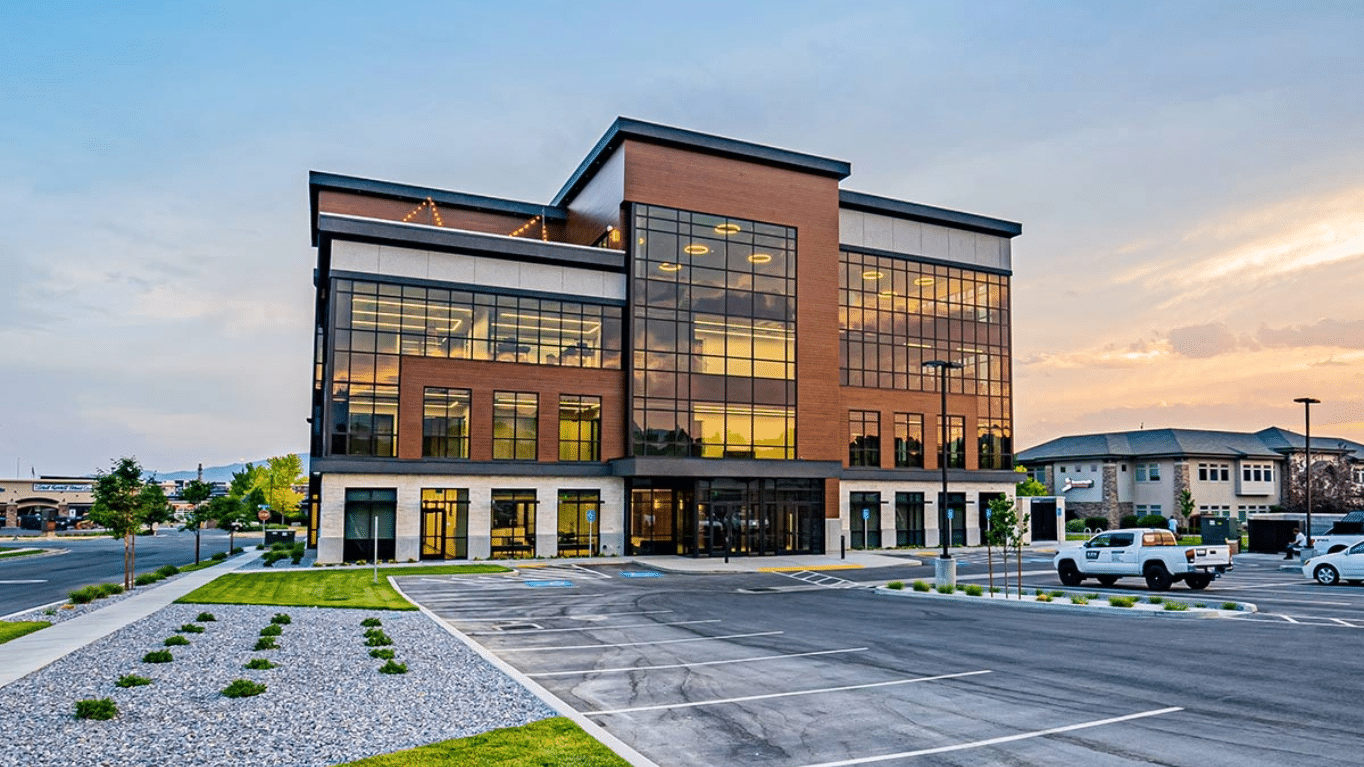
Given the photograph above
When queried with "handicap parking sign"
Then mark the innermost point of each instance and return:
(591, 515)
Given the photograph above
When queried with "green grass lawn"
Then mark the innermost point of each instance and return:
(7, 553)
(556, 742)
(351, 587)
(15, 629)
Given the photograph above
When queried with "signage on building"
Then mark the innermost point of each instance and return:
(49, 487)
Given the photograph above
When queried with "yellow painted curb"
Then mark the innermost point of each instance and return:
(810, 568)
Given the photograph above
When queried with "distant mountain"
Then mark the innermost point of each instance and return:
(220, 473)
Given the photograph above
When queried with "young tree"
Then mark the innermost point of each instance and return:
(1186, 505)
(196, 491)
(277, 482)
(1029, 487)
(158, 508)
(123, 503)
(246, 486)
(227, 512)
(1017, 532)
(996, 534)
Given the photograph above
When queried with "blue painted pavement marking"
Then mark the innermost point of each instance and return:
(641, 574)
(550, 584)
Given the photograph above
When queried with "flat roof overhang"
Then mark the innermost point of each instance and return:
(928, 214)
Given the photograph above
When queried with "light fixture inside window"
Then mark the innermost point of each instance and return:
(760, 258)
(872, 274)
(888, 294)
(923, 280)
(696, 249)
(669, 266)
(727, 229)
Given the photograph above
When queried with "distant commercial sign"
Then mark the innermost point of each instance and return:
(50, 487)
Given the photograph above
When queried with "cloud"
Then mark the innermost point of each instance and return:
(1202, 341)
(1344, 334)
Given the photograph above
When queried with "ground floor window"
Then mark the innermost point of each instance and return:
(579, 523)
(370, 524)
(909, 519)
(445, 524)
(725, 517)
(513, 524)
(956, 516)
(866, 520)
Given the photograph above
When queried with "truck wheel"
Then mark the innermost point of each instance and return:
(1108, 580)
(1327, 575)
(1069, 573)
(1158, 578)
(1198, 581)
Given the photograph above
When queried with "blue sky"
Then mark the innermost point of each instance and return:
(1188, 175)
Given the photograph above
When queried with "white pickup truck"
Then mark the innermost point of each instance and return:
(1150, 553)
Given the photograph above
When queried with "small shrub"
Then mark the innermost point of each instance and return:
(1230, 606)
(362, 562)
(1075, 526)
(273, 630)
(383, 653)
(98, 708)
(1130, 520)
(158, 656)
(190, 628)
(1200, 605)
(371, 622)
(279, 546)
(145, 579)
(206, 618)
(175, 641)
(260, 547)
(994, 589)
(1043, 598)
(1056, 594)
(1152, 520)
(259, 664)
(84, 596)
(281, 619)
(266, 643)
(1078, 600)
(1121, 601)
(109, 589)
(243, 688)
(973, 590)
(132, 680)
(946, 588)
(393, 667)
(1176, 607)
(1096, 523)
(238, 550)
(219, 556)
(166, 571)
(1155, 600)
(1094, 595)
(897, 585)
(920, 586)
(297, 549)
(296, 560)
(1039, 593)
(378, 639)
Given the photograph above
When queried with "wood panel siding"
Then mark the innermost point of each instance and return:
(677, 178)
(483, 378)
(451, 217)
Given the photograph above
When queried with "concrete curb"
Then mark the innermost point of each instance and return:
(39, 553)
(1191, 613)
(617, 745)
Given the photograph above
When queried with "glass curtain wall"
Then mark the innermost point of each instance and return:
(713, 372)
(375, 323)
(896, 314)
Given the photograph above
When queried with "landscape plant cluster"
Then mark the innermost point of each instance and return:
(278, 551)
(382, 647)
(1041, 595)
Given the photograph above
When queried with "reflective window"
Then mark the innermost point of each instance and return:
(445, 524)
(579, 535)
(579, 428)
(445, 423)
(864, 438)
(713, 303)
(956, 441)
(513, 524)
(866, 520)
(515, 425)
(909, 519)
(909, 440)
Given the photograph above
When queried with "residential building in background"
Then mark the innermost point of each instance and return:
(699, 346)
(1227, 474)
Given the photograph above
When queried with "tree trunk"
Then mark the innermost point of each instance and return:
(127, 561)
(197, 526)
(132, 557)
(1018, 558)
(990, 564)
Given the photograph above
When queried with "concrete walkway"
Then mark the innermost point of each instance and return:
(855, 560)
(21, 657)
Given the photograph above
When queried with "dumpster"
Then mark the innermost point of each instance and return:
(1271, 536)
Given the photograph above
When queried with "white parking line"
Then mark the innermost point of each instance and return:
(746, 698)
(997, 741)
(637, 644)
(693, 665)
(593, 628)
(582, 617)
(1290, 620)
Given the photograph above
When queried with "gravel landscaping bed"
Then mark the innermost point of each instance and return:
(325, 702)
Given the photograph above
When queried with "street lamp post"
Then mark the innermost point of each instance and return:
(944, 532)
(1307, 403)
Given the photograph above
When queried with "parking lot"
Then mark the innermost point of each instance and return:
(783, 669)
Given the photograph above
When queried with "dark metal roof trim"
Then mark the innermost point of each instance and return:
(924, 259)
(346, 464)
(930, 475)
(474, 243)
(667, 466)
(625, 127)
(928, 214)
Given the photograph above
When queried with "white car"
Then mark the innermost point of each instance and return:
(1331, 543)
(1331, 569)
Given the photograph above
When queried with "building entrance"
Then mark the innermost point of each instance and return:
(719, 517)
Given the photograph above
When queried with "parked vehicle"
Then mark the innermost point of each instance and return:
(1150, 553)
(1332, 543)
(1344, 565)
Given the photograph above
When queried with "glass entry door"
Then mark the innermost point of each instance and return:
(445, 524)
(513, 524)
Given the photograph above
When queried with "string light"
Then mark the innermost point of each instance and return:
(526, 226)
(427, 203)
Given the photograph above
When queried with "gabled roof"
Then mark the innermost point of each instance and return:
(1154, 443)
(653, 133)
(1290, 441)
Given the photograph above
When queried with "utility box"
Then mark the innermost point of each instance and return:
(279, 536)
(1221, 530)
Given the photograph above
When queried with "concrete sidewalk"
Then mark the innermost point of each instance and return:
(855, 560)
(28, 653)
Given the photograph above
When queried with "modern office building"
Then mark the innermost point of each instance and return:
(698, 346)
(1227, 474)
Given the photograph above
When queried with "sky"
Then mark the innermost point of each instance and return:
(1189, 176)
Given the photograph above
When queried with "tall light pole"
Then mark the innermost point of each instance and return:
(1307, 403)
(943, 366)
